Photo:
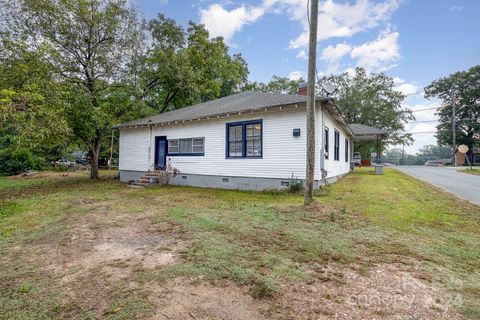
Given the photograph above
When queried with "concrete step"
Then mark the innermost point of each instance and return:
(152, 174)
(141, 184)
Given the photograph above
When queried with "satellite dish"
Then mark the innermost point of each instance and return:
(463, 148)
(328, 87)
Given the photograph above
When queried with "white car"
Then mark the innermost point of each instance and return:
(64, 162)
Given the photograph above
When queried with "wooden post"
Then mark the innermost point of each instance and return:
(312, 56)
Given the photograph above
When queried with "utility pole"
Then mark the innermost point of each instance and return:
(454, 138)
(312, 57)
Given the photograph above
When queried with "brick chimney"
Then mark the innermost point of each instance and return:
(302, 88)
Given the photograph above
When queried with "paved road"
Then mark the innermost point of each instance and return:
(464, 185)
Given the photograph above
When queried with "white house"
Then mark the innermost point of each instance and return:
(250, 140)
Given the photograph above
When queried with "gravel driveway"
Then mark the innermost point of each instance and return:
(466, 186)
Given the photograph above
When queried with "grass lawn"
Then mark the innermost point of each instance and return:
(475, 171)
(370, 247)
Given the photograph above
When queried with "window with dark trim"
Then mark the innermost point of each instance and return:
(186, 147)
(346, 150)
(244, 139)
(336, 148)
(326, 143)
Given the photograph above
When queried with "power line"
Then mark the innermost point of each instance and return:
(411, 94)
(458, 120)
(422, 121)
(422, 132)
(426, 109)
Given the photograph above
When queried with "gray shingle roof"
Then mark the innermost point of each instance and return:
(240, 102)
(363, 130)
(245, 101)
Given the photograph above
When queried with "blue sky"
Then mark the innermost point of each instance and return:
(413, 41)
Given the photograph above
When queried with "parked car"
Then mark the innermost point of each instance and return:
(357, 159)
(83, 162)
(64, 162)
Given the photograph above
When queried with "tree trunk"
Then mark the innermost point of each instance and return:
(94, 154)
(167, 101)
(312, 56)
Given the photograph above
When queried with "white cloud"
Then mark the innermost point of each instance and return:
(398, 81)
(296, 75)
(380, 54)
(302, 54)
(336, 20)
(423, 111)
(224, 23)
(407, 88)
(424, 125)
(340, 19)
(455, 8)
(423, 134)
(350, 72)
(333, 54)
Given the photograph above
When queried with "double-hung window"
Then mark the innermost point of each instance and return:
(244, 139)
(186, 147)
(326, 143)
(346, 150)
(235, 141)
(336, 149)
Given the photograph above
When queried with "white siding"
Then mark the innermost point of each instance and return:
(134, 147)
(335, 167)
(283, 154)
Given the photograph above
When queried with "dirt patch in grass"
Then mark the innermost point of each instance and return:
(386, 291)
(115, 250)
(94, 255)
(43, 175)
(183, 298)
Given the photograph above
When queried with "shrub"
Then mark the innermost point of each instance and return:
(16, 161)
(295, 184)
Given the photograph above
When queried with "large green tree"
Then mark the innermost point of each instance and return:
(32, 122)
(276, 84)
(182, 67)
(90, 44)
(462, 90)
(371, 99)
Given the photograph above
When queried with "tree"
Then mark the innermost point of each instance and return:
(276, 84)
(90, 43)
(432, 152)
(32, 122)
(183, 67)
(370, 99)
(462, 90)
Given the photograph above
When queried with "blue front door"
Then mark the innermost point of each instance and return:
(160, 153)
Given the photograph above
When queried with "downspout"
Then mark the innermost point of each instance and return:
(150, 147)
(323, 175)
(352, 149)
